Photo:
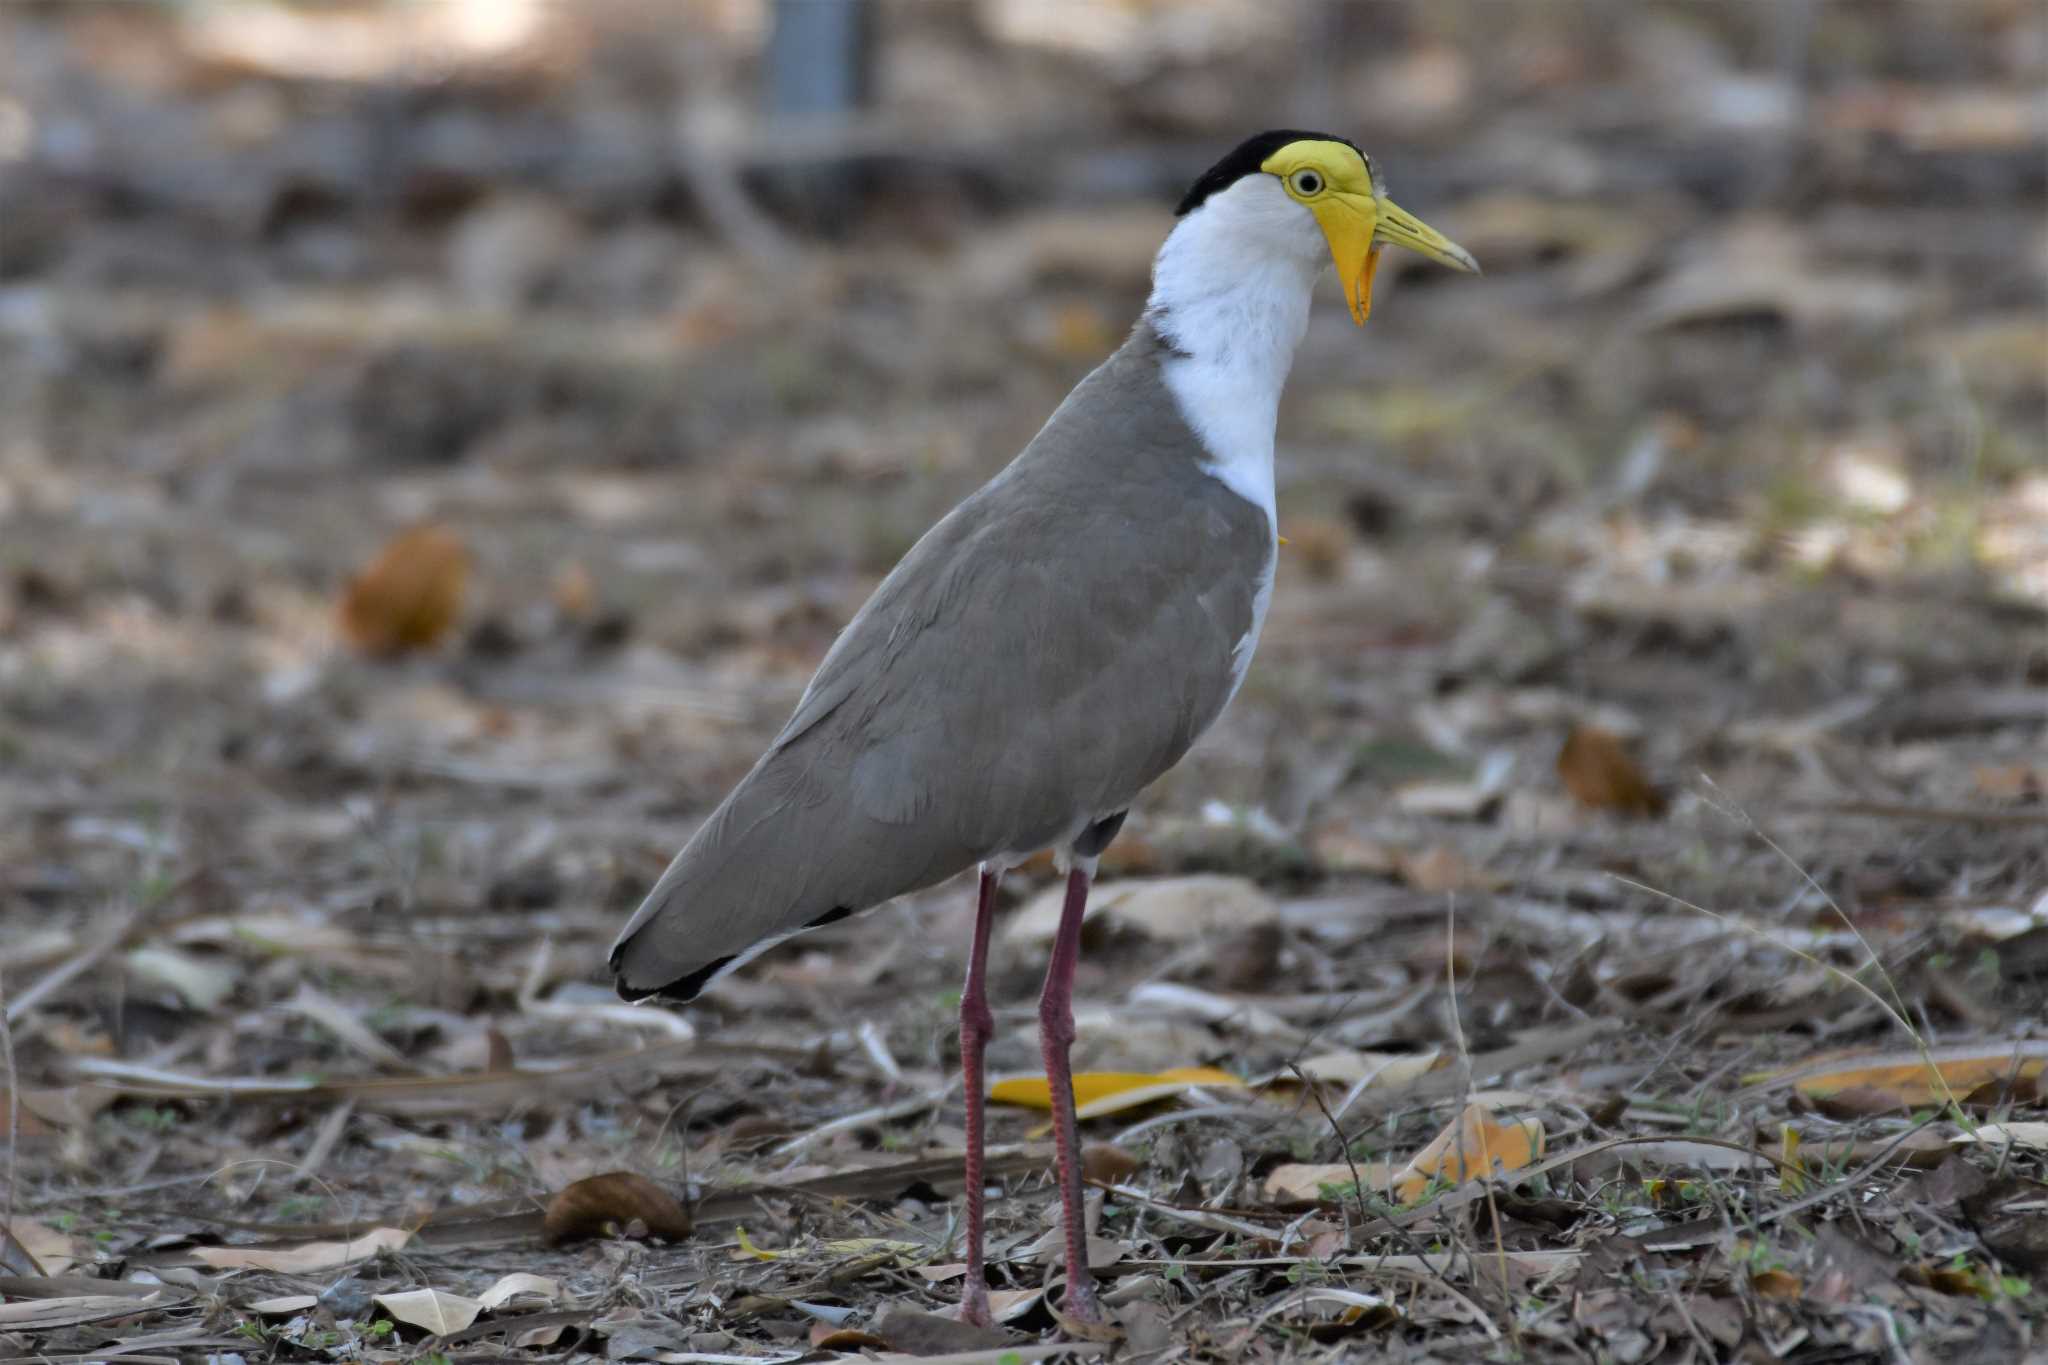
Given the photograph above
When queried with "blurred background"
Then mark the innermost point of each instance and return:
(437, 441)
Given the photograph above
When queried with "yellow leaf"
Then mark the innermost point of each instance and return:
(1472, 1146)
(1791, 1178)
(1106, 1092)
(1905, 1077)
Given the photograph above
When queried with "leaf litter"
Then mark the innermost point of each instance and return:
(1401, 1031)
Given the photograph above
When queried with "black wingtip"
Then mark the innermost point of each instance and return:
(680, 991)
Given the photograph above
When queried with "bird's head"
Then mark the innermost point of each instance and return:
(1307, 191)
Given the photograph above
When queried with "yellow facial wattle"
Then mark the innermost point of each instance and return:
(1335, 182)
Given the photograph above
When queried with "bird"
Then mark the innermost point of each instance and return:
(1055, 643)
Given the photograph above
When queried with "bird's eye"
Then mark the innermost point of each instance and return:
(1307, 184)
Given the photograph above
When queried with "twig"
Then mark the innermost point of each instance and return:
(903, 1108)
(13, 1106)
(1485, 1156)
(59, 976)
(1945, 815)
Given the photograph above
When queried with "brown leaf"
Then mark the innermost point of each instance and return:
(611, 1205)
(1777, 1284)
(826, 1337)
(410, 595)
(2012, 782)
(1598, 772)
(1442, 868)
(1106, 1162)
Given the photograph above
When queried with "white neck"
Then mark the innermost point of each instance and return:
(1230, 296)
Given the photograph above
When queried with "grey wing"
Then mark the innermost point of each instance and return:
(1001, 688)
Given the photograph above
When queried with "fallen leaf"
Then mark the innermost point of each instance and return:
(281, 1307)
(1903, 1078)
(1441, 868)
(1473, 1145)
(1777, 1284)
(1304, 1185)
(2012, 782)
(826, 1337)
(1106, 1162)
(34, 1315)
(1168, 909)
(1108, 1092)
(305, 1258)
(1922, 1150)
(1598, 772)
(613, 1204)
(1367, 1070)
(201, 984)
(54, 1252)
(520, 1283)
(433, 1311)
(409, 596)
(2033, 1135)
(1791, 1177)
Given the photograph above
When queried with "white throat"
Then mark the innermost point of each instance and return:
(1230, 296)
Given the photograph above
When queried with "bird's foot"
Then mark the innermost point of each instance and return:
(1079, 1313)
(974, 1304)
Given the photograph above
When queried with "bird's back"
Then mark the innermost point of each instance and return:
(1045, 652)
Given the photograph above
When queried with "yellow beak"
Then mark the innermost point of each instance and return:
(1359, 227)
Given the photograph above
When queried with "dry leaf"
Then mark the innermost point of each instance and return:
(305, 1258)
(826, 1337)
(574, 591)
(1372, 1069)
(2034, 1135)
(1108, 1092)
(2012, 782)
(1777, 1284)
(611, 1205)
(1168, 909)
(433, 1311)
(1598, 772)
(1791, 1178)
(1304, 1185)
(1902, 1079)
(42, 1315)
(519, 1283)
(1473, 1145)
(200, 983)
(1923, 1150)
(410, 594)
(1106, 1162)
(1442, 868)
(283, 1307)
(53, 1252)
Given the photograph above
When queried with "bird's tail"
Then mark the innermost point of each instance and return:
(779, 856)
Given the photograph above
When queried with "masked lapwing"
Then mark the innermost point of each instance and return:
(1056, 642)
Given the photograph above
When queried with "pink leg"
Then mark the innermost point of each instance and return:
(1056, 1036)
(977, 1024)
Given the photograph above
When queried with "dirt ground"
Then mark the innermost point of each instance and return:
(1644, 774)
